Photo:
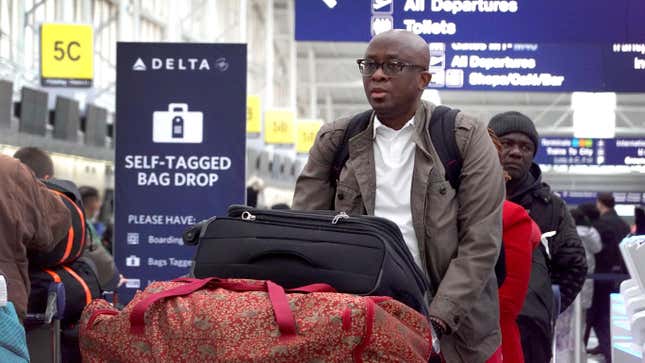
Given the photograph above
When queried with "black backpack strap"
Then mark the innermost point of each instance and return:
(357, 124)
(500, 266)
(442, 134)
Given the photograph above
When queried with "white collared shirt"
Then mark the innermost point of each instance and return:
(394, 163)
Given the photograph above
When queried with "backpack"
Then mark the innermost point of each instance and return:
(442, 126)
(71, 246)
(234, 320)
(79, 281)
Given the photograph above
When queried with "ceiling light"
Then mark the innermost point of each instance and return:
(594, 114)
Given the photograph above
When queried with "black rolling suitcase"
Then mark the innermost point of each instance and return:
(355, 254)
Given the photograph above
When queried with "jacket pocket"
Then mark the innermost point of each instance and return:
(441, 189)
(348, 200)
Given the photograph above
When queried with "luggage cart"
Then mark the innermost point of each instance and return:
(43, 329)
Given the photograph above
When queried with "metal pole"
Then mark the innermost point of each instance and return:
(313, 90)
(19, 28)
(86, 11)
(577, 328)
(123, 33)
(293, 61)
(136, 18)
(173, 26)
(329, 105)
(268, 44)
(243, 15)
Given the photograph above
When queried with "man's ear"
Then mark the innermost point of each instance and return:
(424, 80)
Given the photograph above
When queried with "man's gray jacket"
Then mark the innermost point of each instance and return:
(459, 233)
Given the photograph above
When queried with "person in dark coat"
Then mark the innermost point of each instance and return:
(563, 263)
(612, 230)
(31, 218)
(590, 210)
(639, 221)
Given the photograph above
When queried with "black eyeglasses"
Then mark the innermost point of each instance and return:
(392, 67)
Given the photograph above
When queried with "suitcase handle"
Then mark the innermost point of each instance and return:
(283, 254)
(277, 296)
(181, 107)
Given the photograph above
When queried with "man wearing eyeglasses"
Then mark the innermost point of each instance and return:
(393, 171)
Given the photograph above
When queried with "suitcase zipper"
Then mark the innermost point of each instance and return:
(247, 216)
(338, 217)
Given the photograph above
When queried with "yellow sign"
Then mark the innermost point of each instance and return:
(279, 127)
(66, 55)
(306, 134)
(253, 115)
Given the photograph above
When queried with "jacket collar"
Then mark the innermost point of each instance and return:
(361, 160)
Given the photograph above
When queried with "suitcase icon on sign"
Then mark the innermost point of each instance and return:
(177, 125)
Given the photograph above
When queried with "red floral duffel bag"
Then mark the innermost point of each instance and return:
(233, 320)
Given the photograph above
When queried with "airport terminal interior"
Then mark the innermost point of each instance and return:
(77, 75)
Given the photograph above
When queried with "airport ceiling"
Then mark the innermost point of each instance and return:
(328, 71)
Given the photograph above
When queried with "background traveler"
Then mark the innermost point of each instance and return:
(612, 230)
(565, 329)
(563, 263)
(521, 236)
(107, 273)
(31, 217)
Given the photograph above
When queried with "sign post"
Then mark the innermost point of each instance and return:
(66, 55)
(253, 115)
(180, 150)
(279, 127)
(306, 135)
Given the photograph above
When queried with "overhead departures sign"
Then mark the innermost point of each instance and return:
(66, 55)
(253, 115)
(306, 134)
(486, 21)
(507, 45)
(279, 127)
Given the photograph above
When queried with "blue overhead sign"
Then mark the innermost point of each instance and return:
(577, 197)
(537, 67)
(619, 151)
(623, 151)
(510, 21)
(180, 150)
(530, 45)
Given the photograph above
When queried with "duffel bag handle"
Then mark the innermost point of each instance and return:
(137, 323)
(277, 296)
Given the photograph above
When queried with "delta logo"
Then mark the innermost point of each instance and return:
(180, 64)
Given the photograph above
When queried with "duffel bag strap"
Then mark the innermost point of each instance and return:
(277, 297)
(282, 311)
(137, 323)
(96, 314)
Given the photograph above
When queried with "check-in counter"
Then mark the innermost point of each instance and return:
(627, 312)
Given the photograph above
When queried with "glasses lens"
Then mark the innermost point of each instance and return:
(366, 67)
(391, 68)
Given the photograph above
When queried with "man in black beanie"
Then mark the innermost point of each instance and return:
(564, 254)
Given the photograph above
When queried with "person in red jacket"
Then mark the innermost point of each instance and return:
(520, 236)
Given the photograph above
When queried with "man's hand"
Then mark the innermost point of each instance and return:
(438, 329)
(122, 280)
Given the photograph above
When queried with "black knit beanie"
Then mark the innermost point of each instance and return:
(513, 121)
